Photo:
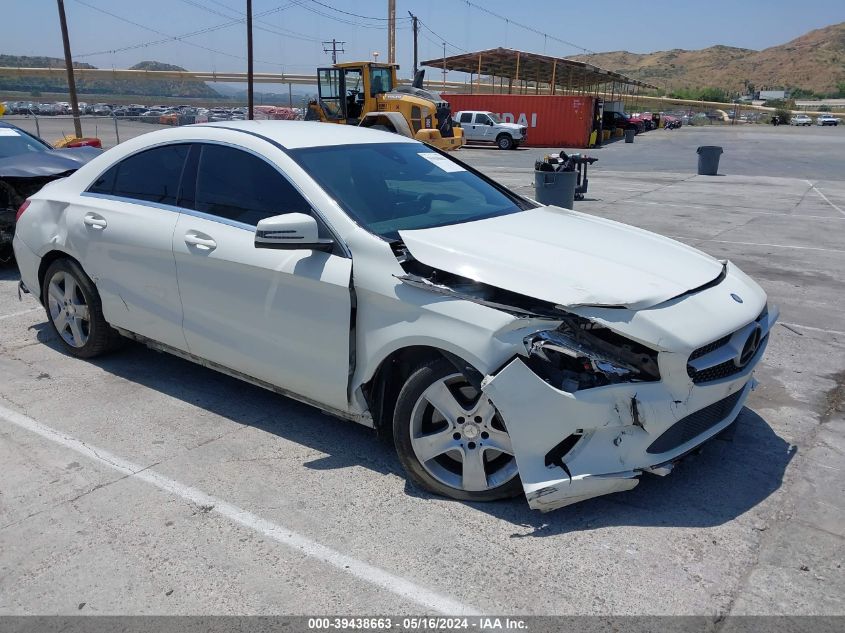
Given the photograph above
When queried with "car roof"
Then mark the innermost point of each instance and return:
(298, 134)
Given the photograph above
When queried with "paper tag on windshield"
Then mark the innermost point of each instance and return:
(7, 131)
(441, 161)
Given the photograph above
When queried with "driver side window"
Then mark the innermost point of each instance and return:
(482, 119)
(236, 185)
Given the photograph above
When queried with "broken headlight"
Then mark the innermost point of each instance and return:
(580, 354)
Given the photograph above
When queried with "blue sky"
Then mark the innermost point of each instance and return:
(296, 28)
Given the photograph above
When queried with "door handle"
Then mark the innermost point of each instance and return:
(95, 221)
(202, 243)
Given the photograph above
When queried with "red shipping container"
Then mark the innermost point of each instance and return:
(552, 120)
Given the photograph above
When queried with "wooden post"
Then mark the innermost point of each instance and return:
(479, 73)
(71, 82)
(554, 73)
(391, 31)
(250, 95)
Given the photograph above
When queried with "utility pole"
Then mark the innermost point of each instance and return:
(391, 31)
(416, 31)
(71, 82)
(250, 96)
(336, 47)
(444, 66)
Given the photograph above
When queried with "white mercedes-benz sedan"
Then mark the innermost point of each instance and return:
(501, 344)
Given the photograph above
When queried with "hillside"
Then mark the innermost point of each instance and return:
(813, 62)
(101, 86)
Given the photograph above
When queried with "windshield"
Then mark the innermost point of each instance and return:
(392, 187)
(14, 142)
(495, 117)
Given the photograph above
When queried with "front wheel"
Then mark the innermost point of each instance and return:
(451, 439)
(504, 141)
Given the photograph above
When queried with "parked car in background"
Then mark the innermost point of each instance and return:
(481, 126)
(27, 163)
(800, 119)
(612, 120)
(827, 119)
(646, 118)
(504, 346)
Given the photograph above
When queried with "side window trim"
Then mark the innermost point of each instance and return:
(189, 170)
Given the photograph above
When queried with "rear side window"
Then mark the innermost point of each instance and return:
(237, 185)
(105, 183)
(152, 175)
(466, 117)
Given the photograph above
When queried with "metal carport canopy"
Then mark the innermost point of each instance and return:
(515, 65)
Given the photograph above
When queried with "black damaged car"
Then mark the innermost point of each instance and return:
(26, 164)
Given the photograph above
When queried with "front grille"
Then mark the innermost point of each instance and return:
(694, 425)
(716, 372)
(706, 349)
(724, 369)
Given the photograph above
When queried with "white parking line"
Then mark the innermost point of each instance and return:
(14, 314)
(363, 571)
(811, 328)
(824, 197)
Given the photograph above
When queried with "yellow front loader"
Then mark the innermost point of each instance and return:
(366, 94)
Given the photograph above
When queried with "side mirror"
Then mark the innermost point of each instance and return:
(489, 122)
(291, 231)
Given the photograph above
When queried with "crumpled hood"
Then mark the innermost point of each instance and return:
(48, 163)
(566, 258)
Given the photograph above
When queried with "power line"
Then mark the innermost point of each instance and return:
(173, 38)
(301, 4)
(526, 27)
(443, 40)
(275, 30)
(357, 15)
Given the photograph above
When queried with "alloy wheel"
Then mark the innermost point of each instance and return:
(69, 311)
(459, 437)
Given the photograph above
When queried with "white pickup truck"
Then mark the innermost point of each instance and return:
(487, 127)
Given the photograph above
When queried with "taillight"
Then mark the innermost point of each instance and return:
(21, 210)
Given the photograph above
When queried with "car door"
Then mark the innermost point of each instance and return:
(484, 128)
(281, 316)
(468, 126)
(122, 229)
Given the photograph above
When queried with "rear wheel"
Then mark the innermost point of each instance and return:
(451, 439)
(75, 312)
(504, 141)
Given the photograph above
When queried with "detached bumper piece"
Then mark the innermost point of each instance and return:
(571, 446)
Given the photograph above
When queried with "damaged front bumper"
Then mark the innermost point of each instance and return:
(571, 446)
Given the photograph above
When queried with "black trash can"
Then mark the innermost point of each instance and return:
(555, 187)
(630, 133)
(708, 160)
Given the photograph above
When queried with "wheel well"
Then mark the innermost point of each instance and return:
(383, 389)
(48, 259)
(501, 134)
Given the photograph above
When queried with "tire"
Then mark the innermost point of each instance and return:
(75, 312)
(504, 141)
(468, 436)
